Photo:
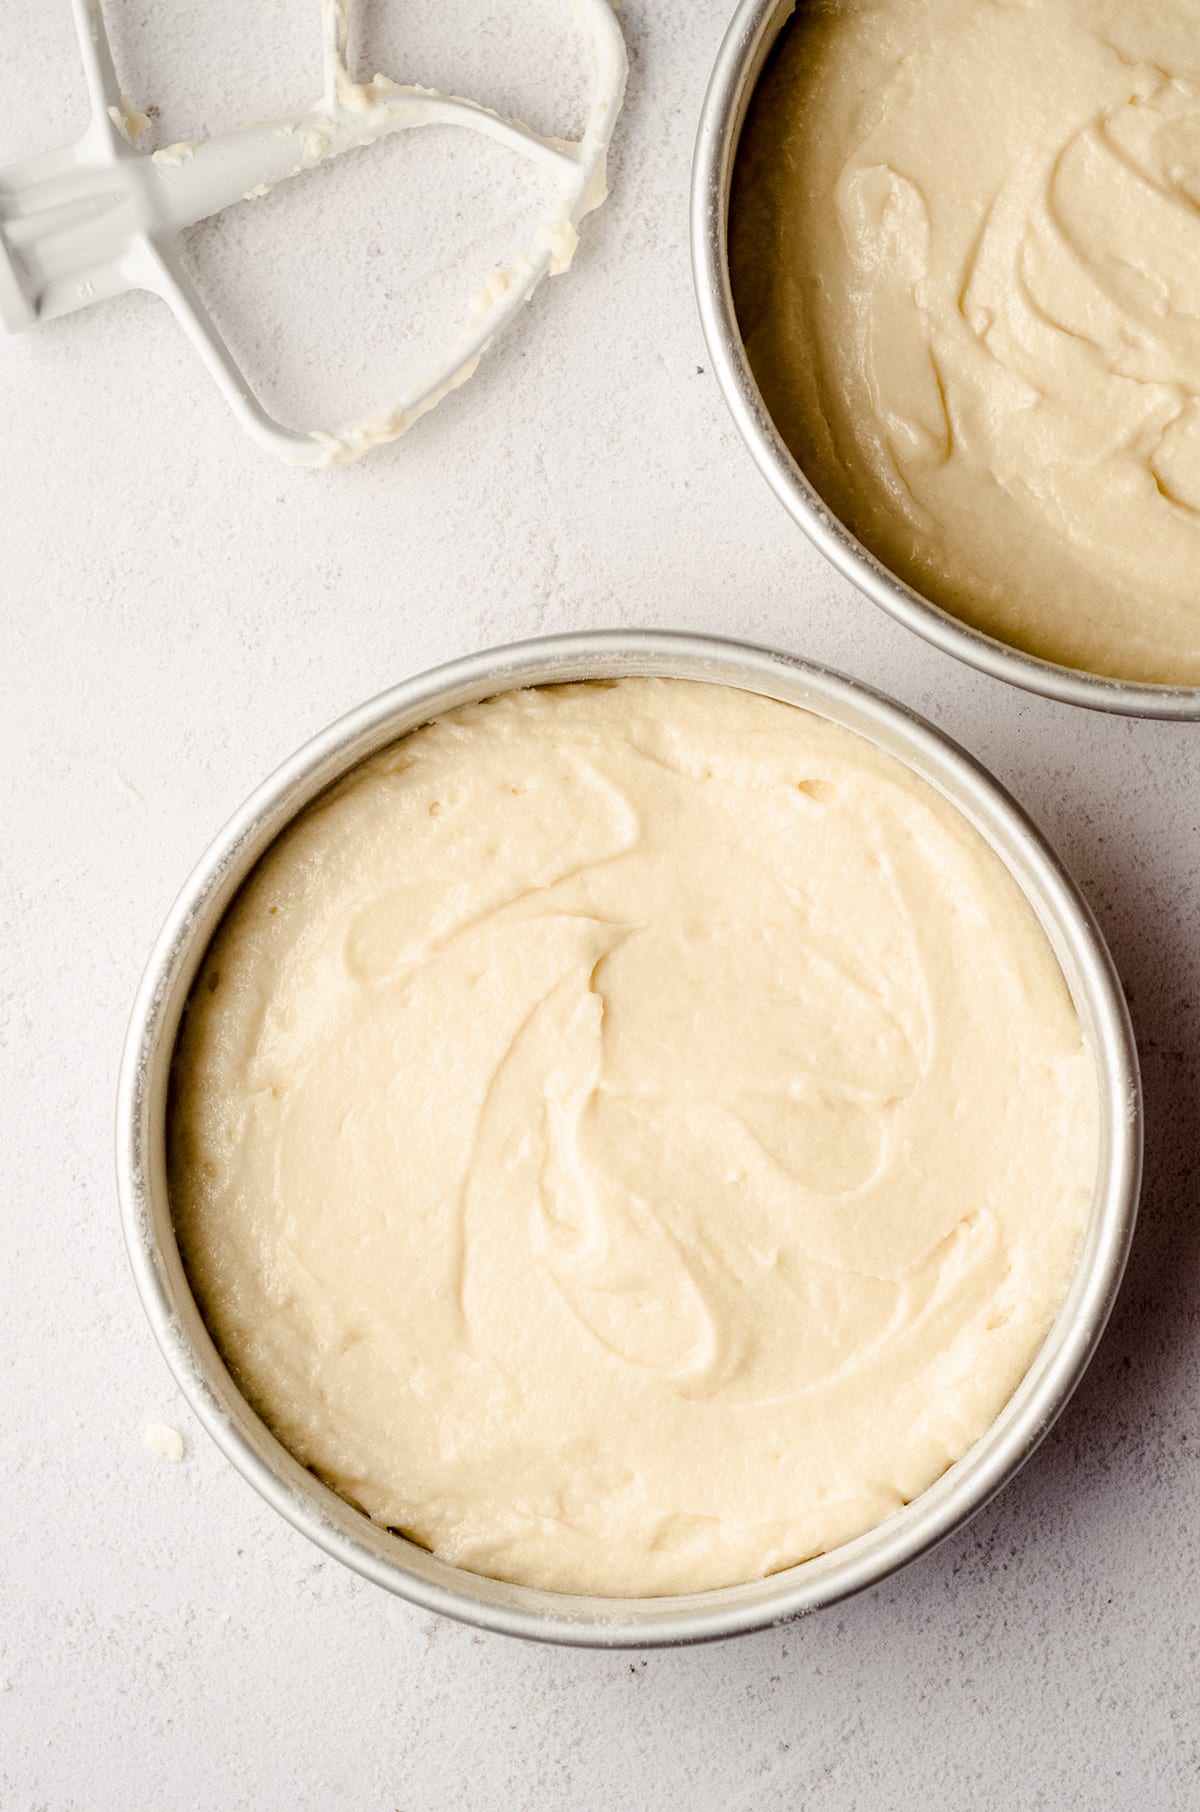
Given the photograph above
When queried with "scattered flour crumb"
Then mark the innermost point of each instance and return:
(166, 1442)
(5, 1685)
(125, 786)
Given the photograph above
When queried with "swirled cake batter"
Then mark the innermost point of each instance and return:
(631, 1137)
(965, 247)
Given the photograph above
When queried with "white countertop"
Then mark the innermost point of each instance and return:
(181, 613)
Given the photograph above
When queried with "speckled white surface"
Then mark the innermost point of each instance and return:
(180, 613)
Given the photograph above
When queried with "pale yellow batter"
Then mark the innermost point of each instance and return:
(630, 1137)
(965, 241)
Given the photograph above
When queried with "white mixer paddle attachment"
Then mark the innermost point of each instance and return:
(99, 216)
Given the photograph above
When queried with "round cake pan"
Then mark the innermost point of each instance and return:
(397, 1564)
(744, 51)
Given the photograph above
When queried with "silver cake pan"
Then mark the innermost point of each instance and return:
(740, 60)
(347, 1533)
